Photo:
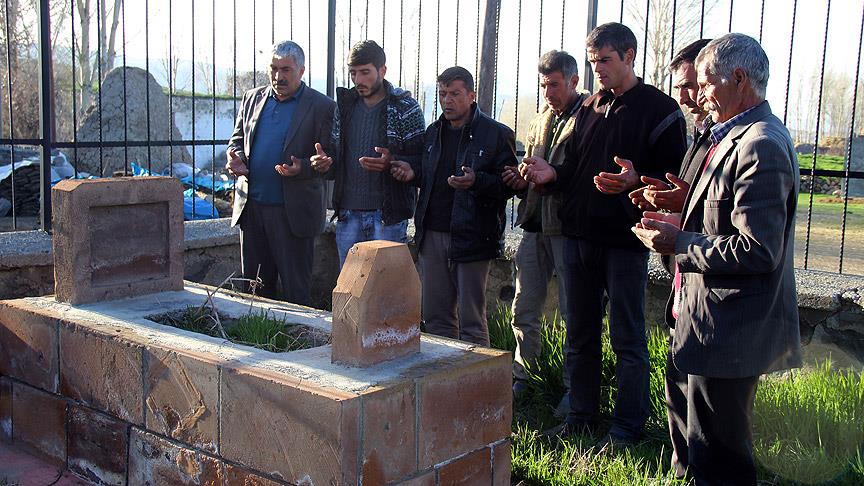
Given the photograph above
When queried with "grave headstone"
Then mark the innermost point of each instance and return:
(116, 238)
(376, 305)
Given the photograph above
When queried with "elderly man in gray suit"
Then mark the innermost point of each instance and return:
(279, 198)
(733, 304)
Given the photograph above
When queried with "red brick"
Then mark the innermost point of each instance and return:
(97, 446)
(5, 410)
(501, 464)
(102, 372)
(389, 434)
(464, 408)
(28, 346)
(117, 237)
(182, 398)
(238, 476)
(376, 305)
(288, 429)
(154, 461)
(423, 479)
(38, 422)
(473, 469)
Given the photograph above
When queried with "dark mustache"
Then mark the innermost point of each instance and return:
(281, 83)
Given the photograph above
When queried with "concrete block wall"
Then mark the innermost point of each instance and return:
(118, 399)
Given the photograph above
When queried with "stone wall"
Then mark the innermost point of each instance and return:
(832, 305)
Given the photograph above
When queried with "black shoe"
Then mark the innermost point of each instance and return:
(520, 390)
(563, 407)
(567, 430)
(610, 443)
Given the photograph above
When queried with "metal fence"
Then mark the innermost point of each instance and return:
(63, 107)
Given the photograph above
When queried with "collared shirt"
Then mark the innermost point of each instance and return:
(265, 184)
(720, 130)
(558, 122)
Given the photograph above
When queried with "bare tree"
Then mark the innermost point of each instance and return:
(89, 62)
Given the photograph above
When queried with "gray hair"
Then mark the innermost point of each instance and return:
(553, 61)
(290, 49)
(724, 55)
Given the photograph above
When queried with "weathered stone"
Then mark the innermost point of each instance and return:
(117, 238)
(389, 431)
(38, 422)
(28, 346)
(501, 464)
(376, 305)
(154, 461)
(5, 410)
(473, 469)
(97, 446)
(426, 478)
(102, 372)
(238, 476)
(124, 117)
(310, 433)
(182, 397)
(464, 409)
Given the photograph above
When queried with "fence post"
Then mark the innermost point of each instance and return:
(588, 75)
(331, 48)
(486, 76)
(46, 105)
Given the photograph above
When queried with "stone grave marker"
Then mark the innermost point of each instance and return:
(115, 238)
(376, 305)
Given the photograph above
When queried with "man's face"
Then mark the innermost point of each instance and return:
(456, 100)
(285, 76)
(609, 69)
(558, 91)
(367, 78)
(719, 97)
(685, 90)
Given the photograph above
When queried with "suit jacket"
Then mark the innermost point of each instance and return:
(303, 194)
(738, 314)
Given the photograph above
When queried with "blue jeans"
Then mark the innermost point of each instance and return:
(592, 269)
(353, 226)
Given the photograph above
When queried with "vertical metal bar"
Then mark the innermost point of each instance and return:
(456, 48)
(350, 21)
(213, 130)
(417, 67)
(477, 41)
(99, 81)
(171, 86)
(731, 8)
(539, 53)
(621, 16)
(563, 16)
(761, 21)
(254, 51)
(74, 95)
(125, 111)
(11, 113)
(193, 108)
(234, 57)
(702, 21)
(384, 21)
(367, 19)
(672, 47)
(816, 141)
(588, 81)
(309, 41)
(437, 51)
(147, 68)
(518, 58)
(645, 42)
(789, 66)
(401, 47)
(45, 87)
(849, 148)
(495, 71)
(331, 48)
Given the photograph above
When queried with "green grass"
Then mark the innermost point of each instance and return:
(808, 424)
(823, 162)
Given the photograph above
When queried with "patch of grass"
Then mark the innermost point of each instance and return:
(823, 162)
(808, 424)
(256, 329)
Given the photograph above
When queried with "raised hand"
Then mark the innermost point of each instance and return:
(286, 170)
(513, 179)
(537, 170)
(236, 165)
(320, 162)
(662, 196)
(658, 231)
(401, 171)
(611, 183)
(377, 164)
(464, 181)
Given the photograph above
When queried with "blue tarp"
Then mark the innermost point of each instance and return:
(194, 207)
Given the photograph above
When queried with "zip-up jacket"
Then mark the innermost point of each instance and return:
(401, 131)
(478, 217)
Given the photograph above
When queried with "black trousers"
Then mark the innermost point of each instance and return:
(266, 242)
(711, 425)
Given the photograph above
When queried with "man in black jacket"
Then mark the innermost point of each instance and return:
(460, 214)
(626, 130)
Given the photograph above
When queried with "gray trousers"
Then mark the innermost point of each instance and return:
(266, 242)
(537, 259)
(454, 294)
